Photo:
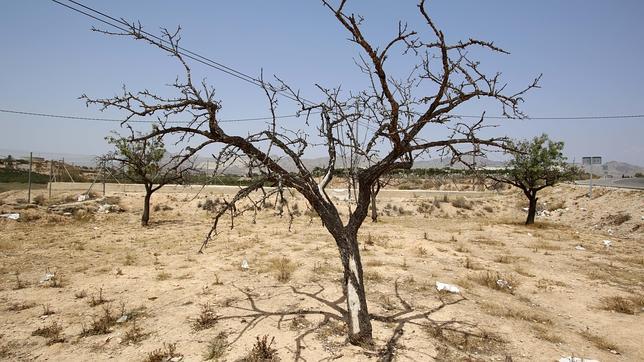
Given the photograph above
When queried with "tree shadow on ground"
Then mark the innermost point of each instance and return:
(453, 338)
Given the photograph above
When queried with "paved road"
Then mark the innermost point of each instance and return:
(628, 183)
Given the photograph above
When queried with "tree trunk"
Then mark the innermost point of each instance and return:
(374, 210)
(146, 207)
(358, 319)
(532, 209)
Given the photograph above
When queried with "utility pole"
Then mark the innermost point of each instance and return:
(51, 176)
(103, 177)
(30, 166)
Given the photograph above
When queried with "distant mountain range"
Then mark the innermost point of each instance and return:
(612, 168)
(615, 169)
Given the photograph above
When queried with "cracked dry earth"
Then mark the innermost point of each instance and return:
(122, 292)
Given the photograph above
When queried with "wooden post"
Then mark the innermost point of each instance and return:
(29, 192)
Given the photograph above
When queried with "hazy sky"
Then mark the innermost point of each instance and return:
(590, 54)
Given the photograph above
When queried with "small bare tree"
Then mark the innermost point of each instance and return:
(389, 124)
(144, 162)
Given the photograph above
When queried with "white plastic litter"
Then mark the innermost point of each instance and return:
(123, 319)
(11, 216)
(47, 277)
(244, 264)
(503, 284)
(607, 243)
(447, 287)
(83, 197)
(576, 359)
(525, 209)
(105, 208)
(579, 247)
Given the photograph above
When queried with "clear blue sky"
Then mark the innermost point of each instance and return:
(590, 54)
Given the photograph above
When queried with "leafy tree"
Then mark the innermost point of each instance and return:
(387, 126)
(144, 162)
(535, 165)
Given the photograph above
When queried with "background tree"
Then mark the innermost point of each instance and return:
(535, 165)
(393, 118)
(144, 162)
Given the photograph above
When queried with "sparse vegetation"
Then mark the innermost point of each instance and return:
(134, 335)
(163, 275)
(207, 318)
(599, 341)
(52, 332)
(283, 268)
(101, 324)
(216, 348)
(164, 354)
(496, 281)
(626, 305)
(263, 351)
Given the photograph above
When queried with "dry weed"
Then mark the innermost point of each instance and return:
(168, 352)
(496, 281)
(206, 318)
(216, 348)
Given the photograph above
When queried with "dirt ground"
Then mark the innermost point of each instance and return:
(117, 291)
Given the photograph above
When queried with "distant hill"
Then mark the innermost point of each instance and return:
(616, 169)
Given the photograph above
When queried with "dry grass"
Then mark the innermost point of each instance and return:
(543, 245)
(505, 259)
(163, 276)
(546, 333)
(20, 306)
(283, 268)
(496, 281)
(486, 241)
(599, 341)
(461, 248)
(471, 342)
(461, 203)
(52, 332)
(628, 305)
(470, 264)
(508, 311)
(521, 270)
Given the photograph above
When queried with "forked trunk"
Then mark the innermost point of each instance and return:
(532, 209)
(358, 319)
(146, 207)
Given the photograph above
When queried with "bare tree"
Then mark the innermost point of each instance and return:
(146, 162)
(383, 123)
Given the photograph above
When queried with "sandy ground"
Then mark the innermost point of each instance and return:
(526, 292)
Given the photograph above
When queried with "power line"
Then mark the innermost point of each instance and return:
(123, 25)
(255, 119)
(565, 118)
(140, 121)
